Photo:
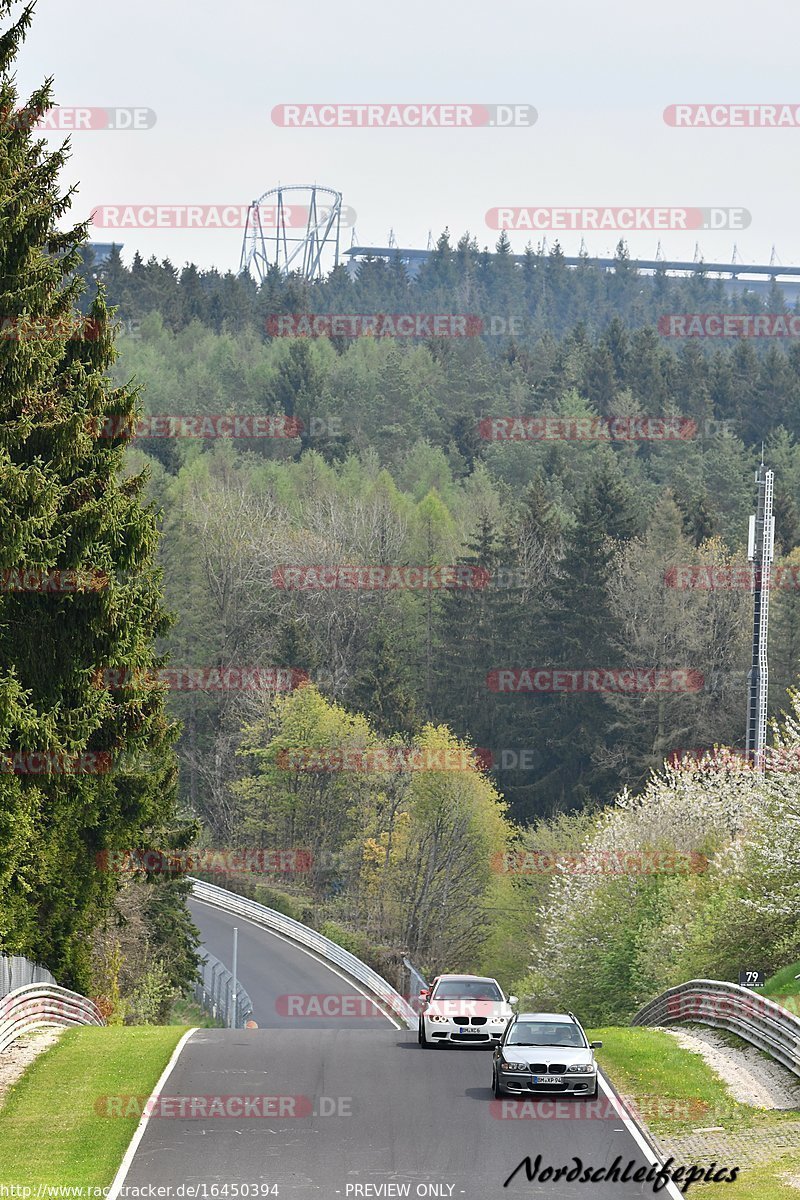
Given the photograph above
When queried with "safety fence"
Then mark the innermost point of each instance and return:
(17, 972)
(214, 992)
(415, 982)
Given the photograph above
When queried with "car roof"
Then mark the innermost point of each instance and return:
(464, 978)
(566, 1018)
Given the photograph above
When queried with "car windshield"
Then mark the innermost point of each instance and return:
(545, 1033)
(467, 989)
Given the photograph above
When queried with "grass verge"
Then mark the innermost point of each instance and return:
(783, 983)
(673, 1092)
(50, 1132)
(188, 1012)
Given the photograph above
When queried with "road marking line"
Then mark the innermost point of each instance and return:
(138, 1134)
(633, 1130)
(376, 1001)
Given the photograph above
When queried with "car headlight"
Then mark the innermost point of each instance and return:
(501, 1020)
(436, 1017)
(581, 1069)
(510, 1066)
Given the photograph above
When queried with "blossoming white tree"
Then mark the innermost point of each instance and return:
(624, 921)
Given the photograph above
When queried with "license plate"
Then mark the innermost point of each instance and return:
(548, 1079)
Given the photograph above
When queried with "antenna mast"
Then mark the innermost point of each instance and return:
(760, 544)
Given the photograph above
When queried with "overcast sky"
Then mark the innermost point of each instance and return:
(598, 74)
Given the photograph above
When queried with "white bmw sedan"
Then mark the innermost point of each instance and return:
(464, 1010)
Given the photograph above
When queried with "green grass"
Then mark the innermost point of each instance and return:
(50, 1132)
(187, 1012)
(649, 1066)
(653, 1070)
(757, 1183)
(783, 983)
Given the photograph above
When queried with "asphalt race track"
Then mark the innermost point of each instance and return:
(365, 1111)
(270, 967)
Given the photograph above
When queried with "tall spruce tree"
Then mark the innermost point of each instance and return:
(87, 596)
(577, 734)
(469, 641)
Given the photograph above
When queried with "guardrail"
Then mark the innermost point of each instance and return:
(320, 945)
(728, 1006)
(213, 991)
(38, 1006)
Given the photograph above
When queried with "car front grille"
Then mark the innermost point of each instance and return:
(469, 1020)
(540, 1068)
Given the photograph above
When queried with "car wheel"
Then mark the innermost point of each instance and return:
(498, 1091)
(421, 1038)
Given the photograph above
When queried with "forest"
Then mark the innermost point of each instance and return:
(416, 607)
(606, 532)
(582, 544)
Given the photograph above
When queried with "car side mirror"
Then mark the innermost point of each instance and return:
(424, 994)
(595, 1045)
(513, 999)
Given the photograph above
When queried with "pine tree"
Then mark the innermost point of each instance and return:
(600, 380)
(576, 731)
(66, 508)
(469, 641)
(384, 687)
